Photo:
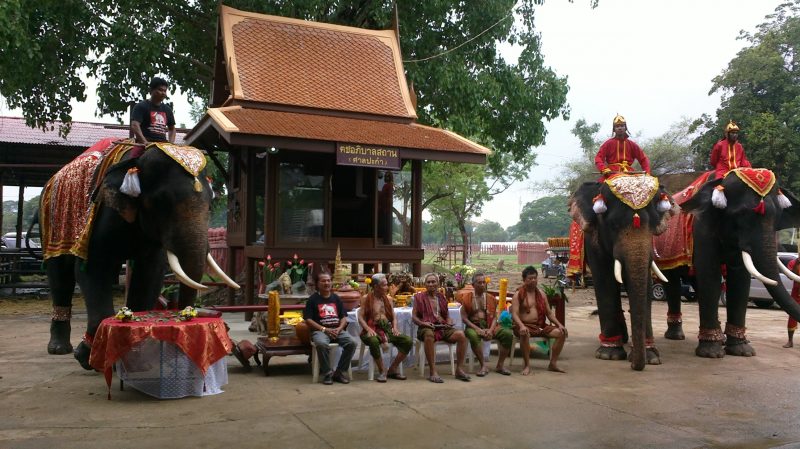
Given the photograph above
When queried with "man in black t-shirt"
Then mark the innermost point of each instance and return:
(152, 120)
(327, 320)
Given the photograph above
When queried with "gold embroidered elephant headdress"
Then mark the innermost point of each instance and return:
(636, 191)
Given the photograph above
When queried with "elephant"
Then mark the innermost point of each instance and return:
(119, 202)
(735, 220)
(619, 218)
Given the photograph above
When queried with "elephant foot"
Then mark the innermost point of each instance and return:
(674, 332)
(82, 353)
(739, 347)
(709, 349)
(59, 338)
(611, 353)
(653, 356)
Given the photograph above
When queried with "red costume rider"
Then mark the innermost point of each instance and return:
(728, 153)
(618, 153)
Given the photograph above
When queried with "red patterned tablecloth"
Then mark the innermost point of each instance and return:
(203, 340)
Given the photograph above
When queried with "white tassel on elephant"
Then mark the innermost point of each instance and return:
(599, 205)
(664, 204)
(783, 202)
(130, 184)
(718, 198)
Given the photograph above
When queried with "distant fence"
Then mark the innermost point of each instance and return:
(218, 245)
(499, 247)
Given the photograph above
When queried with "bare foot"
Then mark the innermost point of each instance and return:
(526, 370)
(788, 345)
(554, 368)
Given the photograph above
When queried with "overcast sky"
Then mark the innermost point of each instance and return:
(651, 61)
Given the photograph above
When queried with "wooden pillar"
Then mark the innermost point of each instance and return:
(20, 204)
(249, 286)
(1, 200)
(416, 212)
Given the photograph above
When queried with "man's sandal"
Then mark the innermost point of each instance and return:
(463, 377)
(482, 372)
(503, 371)
(381, 378)
(396, 376)
(436, 379)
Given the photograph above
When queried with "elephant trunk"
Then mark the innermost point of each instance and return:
(766, 262)
(634, 251)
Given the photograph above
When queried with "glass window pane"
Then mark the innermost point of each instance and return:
(394, 207)
(301, 204)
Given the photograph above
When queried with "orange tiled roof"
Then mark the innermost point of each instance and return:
(278, 60)
(340, 129)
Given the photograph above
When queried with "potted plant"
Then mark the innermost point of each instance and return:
(556, 298)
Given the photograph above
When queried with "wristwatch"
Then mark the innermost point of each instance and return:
(324, 329)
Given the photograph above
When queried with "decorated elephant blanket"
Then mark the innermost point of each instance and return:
(575, 264)
(66, 208)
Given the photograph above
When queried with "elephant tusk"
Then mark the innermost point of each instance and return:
(748, 263)
(658, 272)
(175, 265)
(217, 271)
(789, 274)
(618, 271)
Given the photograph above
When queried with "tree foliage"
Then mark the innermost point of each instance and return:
(450, 50)
(542, 218)
(489, 231)
(761, 92)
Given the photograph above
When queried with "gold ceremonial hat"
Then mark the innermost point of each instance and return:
(731, 127)
(619, 119)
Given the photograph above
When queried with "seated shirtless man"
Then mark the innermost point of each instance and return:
(479, 314)
(434, 324)
(378, 326)
(529, 309)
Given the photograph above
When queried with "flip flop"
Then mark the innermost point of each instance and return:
(396, 376)
(436, 379)
(503, 371)
(463, 377)
(482, 372)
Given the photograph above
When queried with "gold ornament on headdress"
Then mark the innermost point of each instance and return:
(619, 119)
(732, 126)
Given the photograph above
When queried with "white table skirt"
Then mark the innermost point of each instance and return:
(162, 370)
(407, 327)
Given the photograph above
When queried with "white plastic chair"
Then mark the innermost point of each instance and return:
(471, 356)
(332, 347)
(420, 351)
(371, 371)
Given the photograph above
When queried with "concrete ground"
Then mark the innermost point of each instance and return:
(688, 402)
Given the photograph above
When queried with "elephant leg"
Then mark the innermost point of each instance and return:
(61, 280)
(613, 329)
(146, 280)
(707, 261)
(738, 281)
(96, 285)
(674, 315)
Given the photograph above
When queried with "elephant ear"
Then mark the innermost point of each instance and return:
(790, 217)
(110, 193)
(580, 205)
(701, 200)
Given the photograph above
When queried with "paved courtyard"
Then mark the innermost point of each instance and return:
(688, 402)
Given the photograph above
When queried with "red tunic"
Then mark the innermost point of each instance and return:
(725, 157)
(618, 155)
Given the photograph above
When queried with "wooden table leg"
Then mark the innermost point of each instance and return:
(265, 364)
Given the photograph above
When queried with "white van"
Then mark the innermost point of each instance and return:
(10, 241)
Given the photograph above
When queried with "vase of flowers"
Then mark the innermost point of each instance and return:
(268, 274)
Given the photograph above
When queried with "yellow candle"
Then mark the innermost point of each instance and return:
(273, 316)
(501, 303)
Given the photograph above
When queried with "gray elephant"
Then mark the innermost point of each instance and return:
(116, 203)
(619, 218)
(735, 219)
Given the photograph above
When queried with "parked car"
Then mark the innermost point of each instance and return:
(759, 294)
(660, 294)
(10, 241)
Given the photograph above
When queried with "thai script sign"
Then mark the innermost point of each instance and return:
(367, 156)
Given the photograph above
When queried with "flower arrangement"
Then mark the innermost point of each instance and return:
(124, 314)
(462, 274)
(552, 292)
(188, 313)
(269, 272)
(354, 284)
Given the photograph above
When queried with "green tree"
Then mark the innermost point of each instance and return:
(450, 50)
(489, 231)
(760, 91)
(542, 218)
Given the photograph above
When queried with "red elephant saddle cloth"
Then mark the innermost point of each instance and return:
(66, 208)
(634, 190)
(575, 264)
(761, 180)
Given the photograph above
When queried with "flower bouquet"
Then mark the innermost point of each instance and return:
(268, 274)
(124, 314)
(463, 274)
(187, 314)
